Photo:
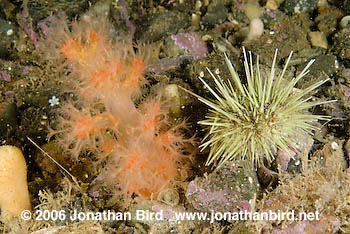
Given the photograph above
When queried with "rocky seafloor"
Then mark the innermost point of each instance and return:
(184, 39)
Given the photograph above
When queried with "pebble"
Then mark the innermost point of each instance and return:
(318, 39)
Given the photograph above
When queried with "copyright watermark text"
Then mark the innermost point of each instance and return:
(142, 215)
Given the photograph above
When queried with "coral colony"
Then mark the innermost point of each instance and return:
(253, 121)
(145, 153)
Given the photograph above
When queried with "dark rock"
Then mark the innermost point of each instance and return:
(162, 25)
(326, 64)
(8, 119)
(328, 19)
(216, 13)
(342, 43)
(40, 9)
(287, 36)
(8, 32)
(298, 6)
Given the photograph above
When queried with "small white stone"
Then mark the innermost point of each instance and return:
(250, 180)
(9, 32)
(336, 64)
(344, 21)
(318, 39)
(334, 145)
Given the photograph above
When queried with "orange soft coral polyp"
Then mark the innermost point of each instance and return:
(94, 38)
(133, 76)
(135, 161)
(75, 51)
(107, 78)
(149, 125)
(167, 138)
(72, 50)
(89, 125)
(84, 127)
(137, 68)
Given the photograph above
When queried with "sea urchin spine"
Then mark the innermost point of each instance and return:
(253, 120)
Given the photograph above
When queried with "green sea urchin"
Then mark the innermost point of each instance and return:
(253, 120)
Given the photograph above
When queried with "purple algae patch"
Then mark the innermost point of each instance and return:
(227, 189)
(192, 43)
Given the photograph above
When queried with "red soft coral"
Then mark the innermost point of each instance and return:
(145, 153)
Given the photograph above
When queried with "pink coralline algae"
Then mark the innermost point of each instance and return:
(26, 23)
(4, 76)
(228, 189)
(283, 158)
(168, 212)
(192, 46)
(192, 43)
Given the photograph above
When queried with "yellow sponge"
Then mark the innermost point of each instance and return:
(14, 195)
